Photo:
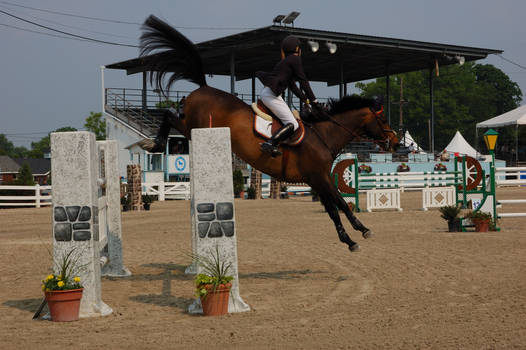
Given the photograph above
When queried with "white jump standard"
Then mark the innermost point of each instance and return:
(212, 206)
(86, 211)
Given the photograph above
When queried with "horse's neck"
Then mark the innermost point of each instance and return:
(344, 128)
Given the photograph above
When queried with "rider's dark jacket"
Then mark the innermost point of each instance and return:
(284, 75)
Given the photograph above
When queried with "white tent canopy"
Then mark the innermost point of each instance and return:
(459, 145)
(516, 116)
(408, 139)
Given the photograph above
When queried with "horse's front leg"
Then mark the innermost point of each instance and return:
(330, 203)
(356, 224)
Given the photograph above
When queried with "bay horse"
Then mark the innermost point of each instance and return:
(310, 162)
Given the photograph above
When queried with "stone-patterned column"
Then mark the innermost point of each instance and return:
(133, 172)
(255, 181)
(213, 205)
(275, 188)
(110, 159)
(74, 171)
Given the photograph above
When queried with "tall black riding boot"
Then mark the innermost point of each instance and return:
(271, 146)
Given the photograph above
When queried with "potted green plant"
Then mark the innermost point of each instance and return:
(403, 168)
(251, 193)
(440, 167)
(213, 283)
(364, 168)
(480, 219)
(238, 182)
(125, 202)
(146, 201)
(63, 289)
(450, 214)
(283, 193)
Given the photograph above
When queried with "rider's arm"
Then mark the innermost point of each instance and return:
(296, 91)
(297, 68)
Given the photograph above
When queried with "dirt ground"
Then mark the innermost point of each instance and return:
(413, 286)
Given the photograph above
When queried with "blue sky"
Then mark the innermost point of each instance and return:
(49, 82)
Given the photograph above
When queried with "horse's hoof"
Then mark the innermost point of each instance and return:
(367, 234)
(354, 248)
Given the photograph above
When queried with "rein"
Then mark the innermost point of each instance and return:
(321, 138)
(354, 133)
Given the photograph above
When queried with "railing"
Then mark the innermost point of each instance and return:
(510, 176)
(167, 190)
(133, 98)
(126, 99)
(41, 196)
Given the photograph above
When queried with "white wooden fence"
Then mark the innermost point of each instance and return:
(502, 176)
(167, 190)
(41, 196)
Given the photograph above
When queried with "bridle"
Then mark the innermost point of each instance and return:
(377, 116)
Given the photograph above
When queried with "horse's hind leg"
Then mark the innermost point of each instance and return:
(159, 144)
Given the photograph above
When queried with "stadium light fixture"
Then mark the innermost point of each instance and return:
(289, 19)
(314, 45)
(278, 19)
(332, 47)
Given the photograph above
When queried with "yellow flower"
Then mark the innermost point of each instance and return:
(59, 277)
(60, 284)
(48, 290)
(43, 287)
(50, 277)
(76, 279)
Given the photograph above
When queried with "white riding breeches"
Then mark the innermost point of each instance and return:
(278, 106)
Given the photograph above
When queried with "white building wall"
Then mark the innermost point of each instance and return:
(125, 136)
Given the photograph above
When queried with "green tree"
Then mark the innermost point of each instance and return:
(506, 94)
(96, 124)
(8, 149)
(6, 146)
(463, 96)
(25, 176)
(44, 145)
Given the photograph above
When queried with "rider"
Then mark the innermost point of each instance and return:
(283, 76)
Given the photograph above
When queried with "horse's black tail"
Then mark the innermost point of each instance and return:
(180, 57)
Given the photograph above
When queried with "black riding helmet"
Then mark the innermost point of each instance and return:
(289, 44)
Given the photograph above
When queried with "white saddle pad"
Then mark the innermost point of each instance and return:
(263, 127)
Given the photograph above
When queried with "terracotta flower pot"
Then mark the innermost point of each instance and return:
(481, 225)
(64, 305)
(215, 303)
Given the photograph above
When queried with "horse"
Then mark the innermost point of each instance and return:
(309, 162)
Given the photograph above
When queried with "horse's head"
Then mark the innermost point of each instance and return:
(377, 127)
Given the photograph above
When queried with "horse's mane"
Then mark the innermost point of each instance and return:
(347, 103)
(337, 106)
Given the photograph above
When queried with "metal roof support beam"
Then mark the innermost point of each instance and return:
(253, 89)
(233, 72)
(341, 77)
(144, 101)
(388, 95)
(432, 106)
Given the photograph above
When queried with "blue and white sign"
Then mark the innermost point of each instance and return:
(178, 164)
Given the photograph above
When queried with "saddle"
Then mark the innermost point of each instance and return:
(266, 124)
